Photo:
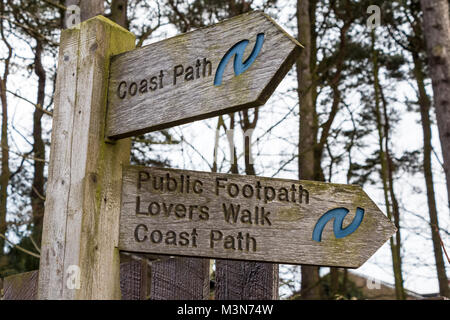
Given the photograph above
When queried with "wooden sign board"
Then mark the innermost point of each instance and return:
(227, 67)
(200, 214)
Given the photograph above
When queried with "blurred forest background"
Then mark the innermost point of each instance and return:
(367, 103)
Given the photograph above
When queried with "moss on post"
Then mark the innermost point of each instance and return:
(80, 259)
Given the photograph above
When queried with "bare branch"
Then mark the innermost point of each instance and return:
(55, 4)
(37, 106)
(19, 247)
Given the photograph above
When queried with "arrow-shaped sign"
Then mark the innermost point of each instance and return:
(230, 66)
(200, 214)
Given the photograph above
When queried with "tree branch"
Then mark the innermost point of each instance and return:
(19, 247)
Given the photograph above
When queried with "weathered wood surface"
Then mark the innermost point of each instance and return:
(135, 280)
(180, 279)
(243, 280)
(145, 93)
(83, 195)
(21, 286)
(275, 226)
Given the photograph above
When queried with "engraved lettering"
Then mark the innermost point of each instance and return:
(184, 239)
(143, 86)
(168, 238)
(207, 65)
(232, 242)
(154, 208)
(171, 238)
(132, 90)
(156, 236)
(248, 238)
(120, 92)
(264, 216)
(154, 84)
(192, 208)
(194, 238)
(138, 206)
(258, 190)
(214, 235)
(161, 76)
(161, 181)
(167, 209)
(204, 213)
(269, 194)
(234, 193)
(189, 75)
(231, 212)
(177, 71)
(197, 187)
(136, 233)
(293, 190)
(240, 238)
(283, 194)
(247, 191)
(197, 68)
(170, 180)
(218, 185)
(142, 177)
(301, 191)
(228, 243)
(246, 216)
(187, 184)
(180, 210)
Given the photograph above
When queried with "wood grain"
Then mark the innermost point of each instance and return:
(283, 233)
(21, 286)
(180, 279)
(246, 280)
(134, 280)
(134, 284)
(189, 100)
(83, 193)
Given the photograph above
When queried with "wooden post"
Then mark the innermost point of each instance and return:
(134, 282)
(135, 279)
(21, 286)
(79, 255)
(242, 280)
(180, 279)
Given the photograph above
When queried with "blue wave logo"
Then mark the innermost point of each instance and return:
(338, 215)
(237, 51)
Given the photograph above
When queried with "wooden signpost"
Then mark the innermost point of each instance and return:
(106, 91)
(230, 66)
(179, 212)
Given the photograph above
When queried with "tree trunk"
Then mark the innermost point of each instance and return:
(4, 178)
(436, 30)
(334, 282)
(387, 186)
(5, 172)
(425, 103)
(88, 8)
(37, 189)
(119, 12)
(310, 288)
